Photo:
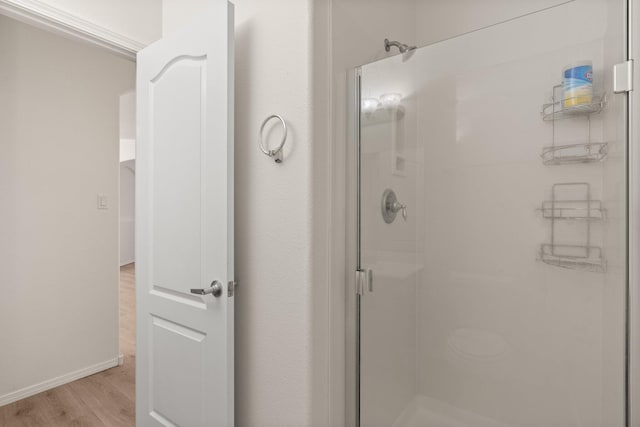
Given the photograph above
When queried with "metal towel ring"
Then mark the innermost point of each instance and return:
(277, 153)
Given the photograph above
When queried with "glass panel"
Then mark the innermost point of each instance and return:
(500, 299)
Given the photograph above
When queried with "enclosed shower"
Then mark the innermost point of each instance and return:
(492, 226)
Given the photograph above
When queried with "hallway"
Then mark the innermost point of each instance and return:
(106, 399)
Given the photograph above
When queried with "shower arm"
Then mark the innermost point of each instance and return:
(401, 46)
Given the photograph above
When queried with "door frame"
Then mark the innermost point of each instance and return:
(44, 16)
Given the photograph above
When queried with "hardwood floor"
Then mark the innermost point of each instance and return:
(106, 399)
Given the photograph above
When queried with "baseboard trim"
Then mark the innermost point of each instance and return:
(58, 381)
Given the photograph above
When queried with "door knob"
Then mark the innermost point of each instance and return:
(215, 289)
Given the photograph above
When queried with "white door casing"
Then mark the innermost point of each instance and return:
(184, 217)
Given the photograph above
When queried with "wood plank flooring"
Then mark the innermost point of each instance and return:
(106, 399)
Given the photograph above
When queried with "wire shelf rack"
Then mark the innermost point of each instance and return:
(574, 153)
(556, 110)
(572, 202)
(587, 152)
(574, 257)
(584, 210)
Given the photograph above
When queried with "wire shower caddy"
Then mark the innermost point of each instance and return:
(580, 256)
(586, 152)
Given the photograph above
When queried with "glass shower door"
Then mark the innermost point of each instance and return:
(493, 221)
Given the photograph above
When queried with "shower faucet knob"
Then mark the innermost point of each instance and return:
(404, 211)
(397, 206)
(391, 206)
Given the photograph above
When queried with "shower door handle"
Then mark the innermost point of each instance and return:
(369, 279)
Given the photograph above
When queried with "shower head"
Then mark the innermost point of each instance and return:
(401, 46)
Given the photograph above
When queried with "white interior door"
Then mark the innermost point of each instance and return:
(184, 217)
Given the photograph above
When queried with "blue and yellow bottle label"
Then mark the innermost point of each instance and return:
(578, 86)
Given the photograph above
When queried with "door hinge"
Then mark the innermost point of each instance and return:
(364, 278)
(231, 288)
(623, 77)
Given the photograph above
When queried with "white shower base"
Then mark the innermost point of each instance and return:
(424, 411)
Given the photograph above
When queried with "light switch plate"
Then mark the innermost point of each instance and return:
(103, 201)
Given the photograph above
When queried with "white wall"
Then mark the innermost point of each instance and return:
(127, 211)
(177, 14)
(127, 149)
(127, 117)
(127, 176)
(58, 252)
(274, 353)
(438, 20)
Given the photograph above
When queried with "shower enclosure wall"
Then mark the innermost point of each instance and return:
(493, 288)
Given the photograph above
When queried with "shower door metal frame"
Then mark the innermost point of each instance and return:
(632, 315)
(358, 229)
(632, 386)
